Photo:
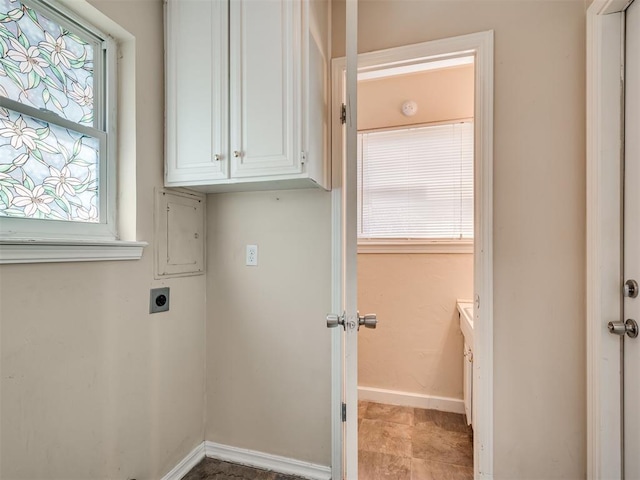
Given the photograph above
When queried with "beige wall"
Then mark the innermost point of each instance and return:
(417, 346)
(93, 387)
(539, 214)
(445, 94)
(268, 348)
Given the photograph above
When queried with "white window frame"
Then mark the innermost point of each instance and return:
(415, 245)
(35, 241)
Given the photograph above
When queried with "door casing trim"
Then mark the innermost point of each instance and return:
(605, 133)
(481, 45)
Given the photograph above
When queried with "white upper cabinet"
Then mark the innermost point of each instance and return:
(247, 96)
(197, 108)
(265, 87)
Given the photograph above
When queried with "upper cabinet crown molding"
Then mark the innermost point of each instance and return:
(246, 94)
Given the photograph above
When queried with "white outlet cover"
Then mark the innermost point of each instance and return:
(252, 256)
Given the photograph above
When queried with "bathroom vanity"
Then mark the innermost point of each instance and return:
(465, 312)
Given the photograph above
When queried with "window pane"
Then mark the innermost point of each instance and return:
(44, 65)
(416, 182)
(47, 171)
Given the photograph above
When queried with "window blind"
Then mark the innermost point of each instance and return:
(416, 183)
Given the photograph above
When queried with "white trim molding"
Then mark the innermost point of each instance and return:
(250, 458)
(266, 461)
(604, 226)
(186, 464)
(415, 246)
(30, 251)
(408, 399)
(482, 44)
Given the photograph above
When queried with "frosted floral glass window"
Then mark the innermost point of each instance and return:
(52, 134)
(53, 174)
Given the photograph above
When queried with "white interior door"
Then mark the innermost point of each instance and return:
(351, 246)
(344, 225)
(631, 423)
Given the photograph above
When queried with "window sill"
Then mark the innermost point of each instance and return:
(415, 246)
(45, 251)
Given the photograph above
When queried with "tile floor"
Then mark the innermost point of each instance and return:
(403, 443)
(211, 469)
(395, 443)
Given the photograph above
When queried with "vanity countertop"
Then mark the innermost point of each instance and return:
(465, 308)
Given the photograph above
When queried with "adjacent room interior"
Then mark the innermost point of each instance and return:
(415, 263)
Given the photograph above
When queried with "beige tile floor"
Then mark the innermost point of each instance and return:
(403, 443)
(395, 443)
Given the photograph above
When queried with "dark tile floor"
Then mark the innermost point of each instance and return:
(395, 443)
(211, 469)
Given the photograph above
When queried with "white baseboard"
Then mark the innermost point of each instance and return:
(186, 464)
(408, 399)
(267, 461)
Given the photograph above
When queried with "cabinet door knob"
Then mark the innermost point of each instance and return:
(236, 153)
(217, 157)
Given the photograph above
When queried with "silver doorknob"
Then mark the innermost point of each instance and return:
(236, 153)
(217, 157)
(334, 320)
(370, 320)
(630, 327)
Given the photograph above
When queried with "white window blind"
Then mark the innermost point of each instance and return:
(416, 183)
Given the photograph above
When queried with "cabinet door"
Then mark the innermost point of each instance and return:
(265, 87)
(197, 91)
(467, 383)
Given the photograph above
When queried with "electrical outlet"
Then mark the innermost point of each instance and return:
(159, 300)
(252, 256)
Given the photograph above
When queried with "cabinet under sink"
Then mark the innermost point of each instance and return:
(466, 314)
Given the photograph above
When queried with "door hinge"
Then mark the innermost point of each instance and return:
(344, 412)
(343, 114)
(303, 158)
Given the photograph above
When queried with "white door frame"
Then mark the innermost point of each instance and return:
(605, 61)
(481, 46)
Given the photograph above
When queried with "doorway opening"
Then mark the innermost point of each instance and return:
(415, 265)
(476, 50)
